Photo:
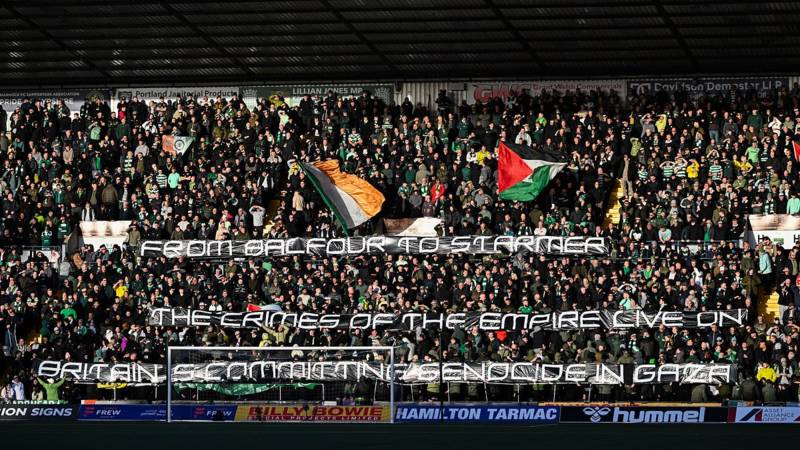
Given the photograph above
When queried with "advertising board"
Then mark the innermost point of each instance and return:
(643, 414)
(523, 414)
(765, 414)
(36, 412)
(312, 413)
(154, 412)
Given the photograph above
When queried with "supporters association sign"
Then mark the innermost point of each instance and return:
(352, 246)
(73, 98)
(488, 321)
(411, 373)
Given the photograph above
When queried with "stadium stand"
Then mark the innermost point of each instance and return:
(670, 180)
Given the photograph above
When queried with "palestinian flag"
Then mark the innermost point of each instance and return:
(352, 199)
(252, 307)
(523, 172)
(796, 150)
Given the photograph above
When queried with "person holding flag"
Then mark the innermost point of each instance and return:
(524, 172)
(352, 200)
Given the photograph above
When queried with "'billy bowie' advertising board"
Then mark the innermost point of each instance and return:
(312, 413)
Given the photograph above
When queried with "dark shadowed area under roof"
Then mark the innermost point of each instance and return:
(62, 42)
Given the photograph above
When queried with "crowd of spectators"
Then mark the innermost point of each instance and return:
(692, 170)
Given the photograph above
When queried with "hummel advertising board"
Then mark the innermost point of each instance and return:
(643, 414)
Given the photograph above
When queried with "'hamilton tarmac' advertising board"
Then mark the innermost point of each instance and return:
(522, 414)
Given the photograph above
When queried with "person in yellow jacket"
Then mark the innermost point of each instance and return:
(661, 123)
(481, 156)
(766, 373)
(120, 289)
(693, 170)
(743, 165)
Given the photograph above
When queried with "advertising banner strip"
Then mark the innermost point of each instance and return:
(487, 321)
(643, 414)
(38, 412)
(377, 245)
(707, 86)
(154, 412)
(412, 373)
(506, 90)
(765, 414)
(73, 99)
(148, 94)
(521, 414)
(311, 413)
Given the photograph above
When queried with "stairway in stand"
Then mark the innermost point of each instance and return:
(768, 305)
(613, 214)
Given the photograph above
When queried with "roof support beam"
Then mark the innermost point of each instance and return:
(206, 37)
(57, 41)
(54, 21)
(279, 7)
(358, 34)
(522, 40)
(675, 33)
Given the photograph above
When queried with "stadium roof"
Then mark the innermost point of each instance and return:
(200, 41)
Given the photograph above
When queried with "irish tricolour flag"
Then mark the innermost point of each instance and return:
(523, 172)
(352, 199)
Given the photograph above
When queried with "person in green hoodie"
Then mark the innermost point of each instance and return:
(51, 388)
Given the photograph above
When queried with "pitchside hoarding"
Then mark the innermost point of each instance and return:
(643, 414)
(110, 411)
(765, 414)
(311, 413)
(520, 414)
(38, 412)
